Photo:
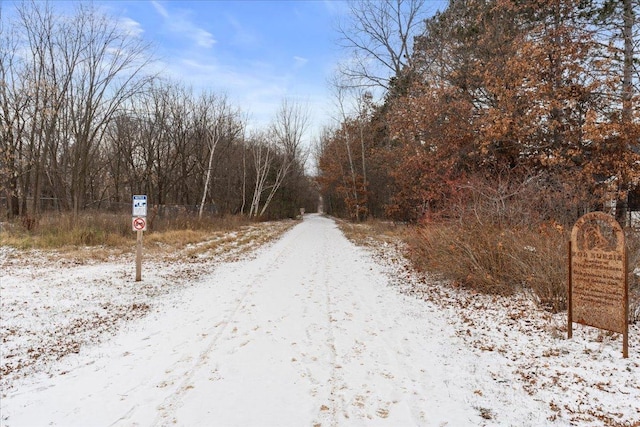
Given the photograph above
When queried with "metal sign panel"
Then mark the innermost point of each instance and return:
(139, 205)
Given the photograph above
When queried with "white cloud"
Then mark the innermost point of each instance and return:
(257, 87)
(178, 23)
(300, 61)
(255, 81)
(203, 38)
(160, 9)
(130, 27)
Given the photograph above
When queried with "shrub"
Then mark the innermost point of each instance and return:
(500, 237)
(507, 235)
(495, 259)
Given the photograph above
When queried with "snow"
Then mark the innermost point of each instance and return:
(308, 331)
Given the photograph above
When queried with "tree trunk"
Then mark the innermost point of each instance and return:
(212, 149)
(627, 96)
(244, 179)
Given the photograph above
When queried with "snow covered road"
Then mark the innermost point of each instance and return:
(307, 333)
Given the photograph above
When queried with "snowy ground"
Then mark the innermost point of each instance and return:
(308, 331)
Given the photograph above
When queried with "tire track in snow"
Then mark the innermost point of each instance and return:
(373, 378)
(173, 402)
(328, 413)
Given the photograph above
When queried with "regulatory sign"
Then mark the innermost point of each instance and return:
(139, 223)
(140, 205)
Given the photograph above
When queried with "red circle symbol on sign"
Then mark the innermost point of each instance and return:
(139, 223)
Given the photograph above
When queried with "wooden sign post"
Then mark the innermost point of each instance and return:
(598, 289)
(139, 256)
(139, 225)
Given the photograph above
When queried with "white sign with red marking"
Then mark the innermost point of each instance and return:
(139, 223)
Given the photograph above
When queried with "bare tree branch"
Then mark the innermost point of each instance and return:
(379, 38)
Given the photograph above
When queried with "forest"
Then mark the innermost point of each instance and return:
(494, 103)
(529, 109)
(87, 121)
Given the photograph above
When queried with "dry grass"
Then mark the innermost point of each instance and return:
(508, 235)
(55, 231)
(494, 259)
(371, 232)
(101, 236)
(230, 244)
(192, 223)
(176, 238)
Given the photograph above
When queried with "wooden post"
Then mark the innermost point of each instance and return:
(139, 256)
(625, 335)
(569, 290)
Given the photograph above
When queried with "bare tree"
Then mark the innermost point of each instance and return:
(64, 78)
(354, 110)
(629, 20)
(218, 121)
(340, 93)
(277, 151)
(289, 126)
(617, 24)
(13, 105)
(38, 85)
(83, 120)
(262, 160)
(109, 69)
(379, 38)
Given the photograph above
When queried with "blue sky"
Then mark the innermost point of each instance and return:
(257, 52)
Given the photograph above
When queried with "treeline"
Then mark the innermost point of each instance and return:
(86, 121)
(526, 109)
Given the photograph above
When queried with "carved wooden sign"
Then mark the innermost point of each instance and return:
(598, 286)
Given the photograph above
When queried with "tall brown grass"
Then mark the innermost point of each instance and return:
(60, 230)
(508, 237)
(495, 259)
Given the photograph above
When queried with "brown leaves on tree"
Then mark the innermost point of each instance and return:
(503, 88)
